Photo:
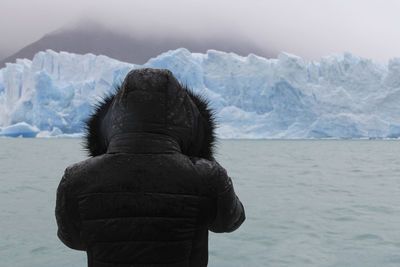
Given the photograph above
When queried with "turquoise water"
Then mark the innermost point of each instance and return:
(308, 203)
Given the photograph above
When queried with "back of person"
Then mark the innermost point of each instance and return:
(152, 189)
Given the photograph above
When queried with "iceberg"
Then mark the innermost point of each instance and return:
(21, 129)
(341, 96)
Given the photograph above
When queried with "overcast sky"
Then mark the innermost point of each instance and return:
(307, 28)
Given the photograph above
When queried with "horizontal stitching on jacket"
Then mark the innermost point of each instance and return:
(144, 264)
(137, 217)
(145, 193)
(144, 241)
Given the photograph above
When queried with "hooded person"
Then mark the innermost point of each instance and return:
(151, 190)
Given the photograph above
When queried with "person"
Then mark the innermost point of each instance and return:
(151, 190)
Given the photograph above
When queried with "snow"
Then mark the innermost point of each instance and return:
(341, 96)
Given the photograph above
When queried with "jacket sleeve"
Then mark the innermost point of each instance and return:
(67, 216)
(229, 210)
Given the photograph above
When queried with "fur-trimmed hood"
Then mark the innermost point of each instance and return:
(151, 102)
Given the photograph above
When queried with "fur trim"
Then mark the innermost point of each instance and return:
(207, 146)
(94, 141)
(202, 145)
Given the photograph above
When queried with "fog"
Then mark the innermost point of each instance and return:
(307, 28)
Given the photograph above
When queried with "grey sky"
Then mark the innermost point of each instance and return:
(307, 28)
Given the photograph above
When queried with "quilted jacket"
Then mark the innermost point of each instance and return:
(151, 190)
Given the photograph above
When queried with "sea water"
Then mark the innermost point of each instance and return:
(308, 203)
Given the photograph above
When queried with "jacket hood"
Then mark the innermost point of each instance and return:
(148, 102)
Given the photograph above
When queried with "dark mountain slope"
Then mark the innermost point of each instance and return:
(139, 49)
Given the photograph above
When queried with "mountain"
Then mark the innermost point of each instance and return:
(2, 55)
(254, 97)
(90, 37)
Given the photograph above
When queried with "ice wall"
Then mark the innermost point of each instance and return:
(338, 97)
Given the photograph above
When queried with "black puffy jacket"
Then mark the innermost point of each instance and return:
(152, 189)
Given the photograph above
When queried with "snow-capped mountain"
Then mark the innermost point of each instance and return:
(339, 97)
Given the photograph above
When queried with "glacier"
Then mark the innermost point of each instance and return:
(340, 96)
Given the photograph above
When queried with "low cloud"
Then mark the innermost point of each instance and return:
(310, 29)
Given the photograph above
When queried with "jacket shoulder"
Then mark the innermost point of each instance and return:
(215, 175)
(82, 167)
